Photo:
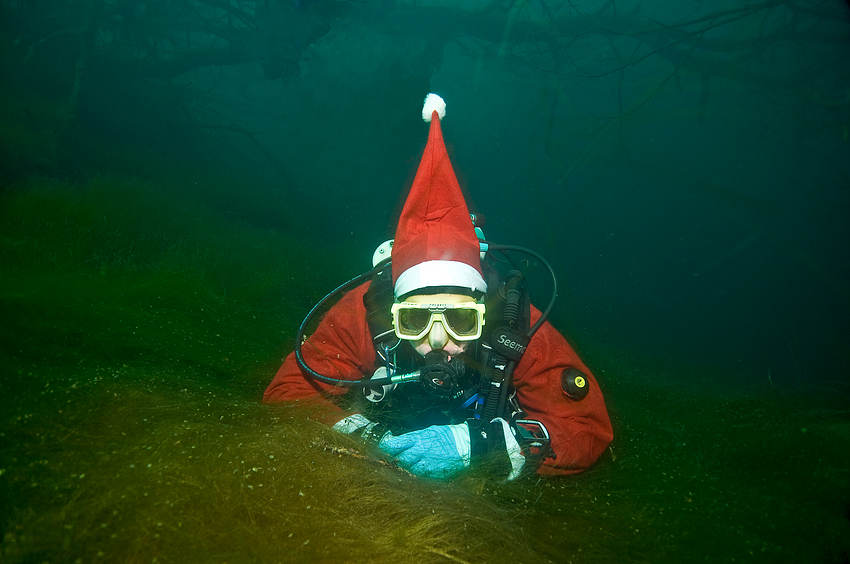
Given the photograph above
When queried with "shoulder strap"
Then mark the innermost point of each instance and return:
(497, 301)
(505, 338)
(378, 301)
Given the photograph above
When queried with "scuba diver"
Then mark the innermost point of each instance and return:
(438, 357)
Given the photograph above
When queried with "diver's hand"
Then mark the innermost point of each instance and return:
(498, 442)
(358, 424)
(437, 452)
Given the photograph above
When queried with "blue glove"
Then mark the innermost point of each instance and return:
(437, 452)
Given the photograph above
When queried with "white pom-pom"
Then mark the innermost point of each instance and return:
(433, 102)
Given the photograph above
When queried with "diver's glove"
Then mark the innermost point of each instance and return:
(437, 452)
(497, 440)
(358, 424)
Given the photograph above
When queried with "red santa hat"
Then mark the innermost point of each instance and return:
(435, 242)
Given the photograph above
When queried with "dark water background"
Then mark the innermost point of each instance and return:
(181, 181)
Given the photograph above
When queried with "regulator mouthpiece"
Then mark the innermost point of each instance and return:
(440, 376)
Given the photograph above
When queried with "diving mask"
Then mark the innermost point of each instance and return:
(462, 321)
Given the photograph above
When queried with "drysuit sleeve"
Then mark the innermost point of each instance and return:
(340, 348)
(579, 430)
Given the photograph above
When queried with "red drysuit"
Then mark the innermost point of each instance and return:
(342, 348)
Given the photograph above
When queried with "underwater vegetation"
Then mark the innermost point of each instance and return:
(139, 330)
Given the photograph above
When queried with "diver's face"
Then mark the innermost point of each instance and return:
(437, 338)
